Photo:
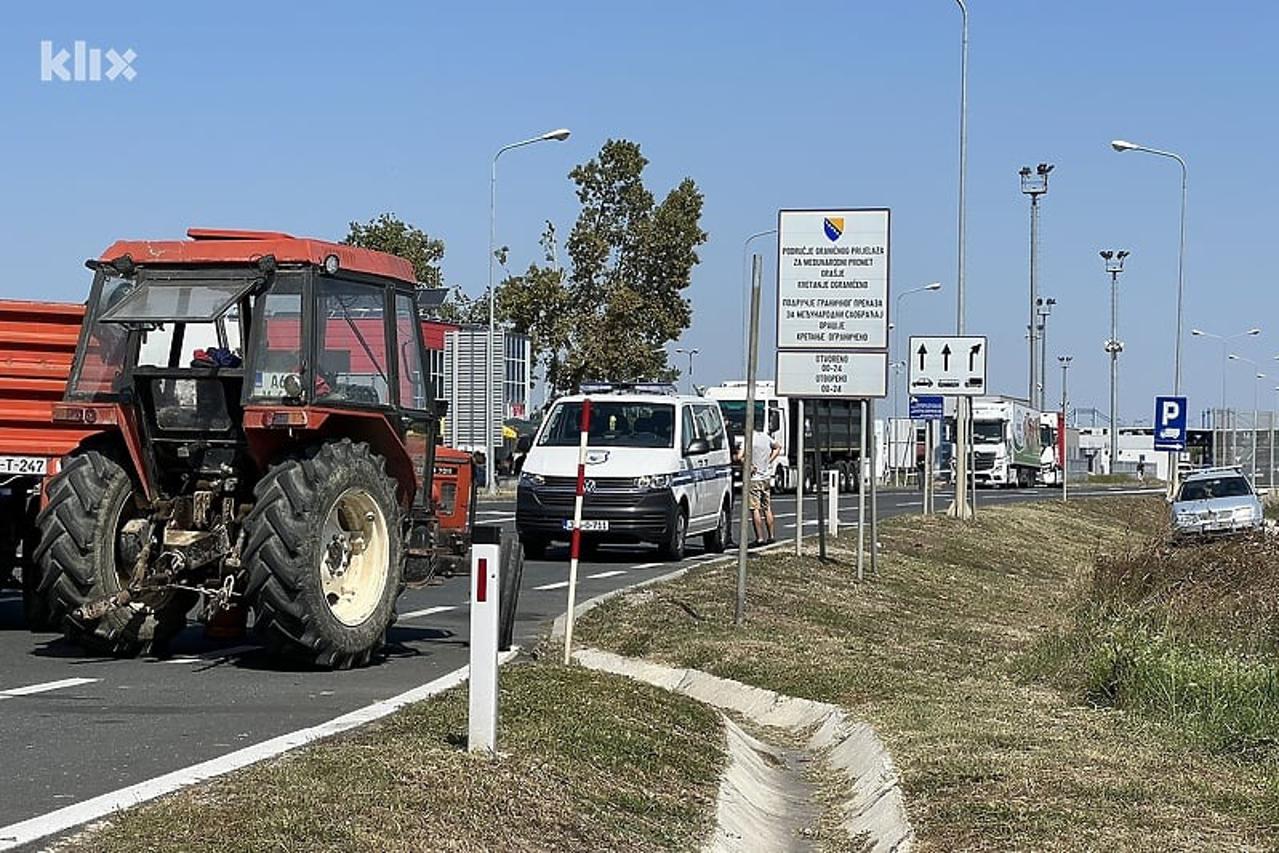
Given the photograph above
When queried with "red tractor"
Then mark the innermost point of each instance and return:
(264, 438)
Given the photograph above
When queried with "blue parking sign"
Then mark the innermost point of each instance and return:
(1170, 423)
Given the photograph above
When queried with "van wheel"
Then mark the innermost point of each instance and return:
(672, 550)
(717, 540)
(534, 546)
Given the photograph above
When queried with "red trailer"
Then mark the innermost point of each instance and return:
(37, 343)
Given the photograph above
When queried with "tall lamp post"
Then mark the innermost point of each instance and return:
(960, 507)
(490, 403)
(1043, 307)
(1225, 341)
(1034, 183)
(899, 333)
(746, 289)
(1122, 145)
(1062, 443)
(690, 353)
(1114, 266)
(1257, 377)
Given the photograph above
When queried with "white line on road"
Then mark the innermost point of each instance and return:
(60, 820)
(45, 687)
(549, 586)
(648, 565)
(611, 574)
(429, 611)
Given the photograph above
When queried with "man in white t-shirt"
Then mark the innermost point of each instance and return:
(764, 451)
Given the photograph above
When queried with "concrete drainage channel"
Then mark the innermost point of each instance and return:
(765, 801)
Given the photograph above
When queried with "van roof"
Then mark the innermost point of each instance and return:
(633, 398)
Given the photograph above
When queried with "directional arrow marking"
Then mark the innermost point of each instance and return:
(972, 356)
(945, 358)
(923, 351)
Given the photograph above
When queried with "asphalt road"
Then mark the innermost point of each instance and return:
(74, 726)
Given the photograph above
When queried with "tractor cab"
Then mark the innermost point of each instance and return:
(234, 378)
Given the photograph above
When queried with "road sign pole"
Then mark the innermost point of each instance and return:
(874, 488)
(799, 479)
(748, 440)
(861, 495)
(818, 477)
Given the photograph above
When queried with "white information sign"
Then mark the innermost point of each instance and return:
(832, 279)
(827, 373)
(954, 366)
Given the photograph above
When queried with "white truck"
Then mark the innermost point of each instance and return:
(838, 421)
(1006, 446)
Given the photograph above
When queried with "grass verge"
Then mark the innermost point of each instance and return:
(587, 762)
(943, 654)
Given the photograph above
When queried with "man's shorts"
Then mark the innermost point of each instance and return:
(760, 496)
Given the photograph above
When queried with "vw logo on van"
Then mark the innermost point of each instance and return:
(589, 486)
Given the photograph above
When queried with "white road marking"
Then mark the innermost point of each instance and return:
(500, 514)
(611, 574)
(647, 565)
(60, 820)
(45, 687)
(429, 611)
(214, 654)
(549, 586)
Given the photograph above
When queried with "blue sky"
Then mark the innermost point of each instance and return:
(304, 117)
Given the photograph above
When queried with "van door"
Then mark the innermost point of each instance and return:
(718, 475)
(694, 466)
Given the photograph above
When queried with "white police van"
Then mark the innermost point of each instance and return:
(658, 469)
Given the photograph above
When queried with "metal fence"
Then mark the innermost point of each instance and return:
(1249, 440)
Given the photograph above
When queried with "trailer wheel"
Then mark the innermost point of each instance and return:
(325, 556)
(85, 556)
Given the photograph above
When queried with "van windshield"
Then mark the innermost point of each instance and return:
(613, 424)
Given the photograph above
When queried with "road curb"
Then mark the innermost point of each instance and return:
(873, 806)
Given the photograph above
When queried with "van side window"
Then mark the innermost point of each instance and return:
(689, 427)
(712, 426)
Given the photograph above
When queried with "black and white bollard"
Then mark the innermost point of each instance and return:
(486, 607)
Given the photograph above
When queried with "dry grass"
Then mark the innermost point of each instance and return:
(934, 653)
(588, 762)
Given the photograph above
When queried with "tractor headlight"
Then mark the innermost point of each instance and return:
(527, 478)
(653, 481)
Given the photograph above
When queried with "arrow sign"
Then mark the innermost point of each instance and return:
(947, 372)
(972, 355)
(945, 357)
(923, 351)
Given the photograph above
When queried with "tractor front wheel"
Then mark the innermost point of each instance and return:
(86, 555)
(325, 556)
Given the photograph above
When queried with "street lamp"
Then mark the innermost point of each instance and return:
(746, 289)
(1043, 307)
(1122, 145)
(1062, 443)
(1252, 444)
(558, 135)
(1114, 265)
(1225, 340)
(1034, 183)
(690, 353)
(960, 506)
(932, 287)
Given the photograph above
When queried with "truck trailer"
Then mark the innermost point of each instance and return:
(837, 423)
(1006, 445)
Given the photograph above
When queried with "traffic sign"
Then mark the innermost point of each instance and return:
(824, 373)
(1170, 423)
(930, 407)
(951, 366)
(832, 279)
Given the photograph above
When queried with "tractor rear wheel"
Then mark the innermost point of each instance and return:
(86, 555)
(325, 555)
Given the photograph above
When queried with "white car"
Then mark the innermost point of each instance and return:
(658, 470)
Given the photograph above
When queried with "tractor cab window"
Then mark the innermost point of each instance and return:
(350, 358)
(277, 341)
(104, 350)
(413, 384)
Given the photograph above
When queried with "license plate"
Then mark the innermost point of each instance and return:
(588, 525)
(23, 465)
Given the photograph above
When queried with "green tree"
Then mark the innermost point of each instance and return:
(611, 316)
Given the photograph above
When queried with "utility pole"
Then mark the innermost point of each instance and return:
(1114, 265)
(960, 507)
(1062, 442)
(1044, 308)
(1034, 183)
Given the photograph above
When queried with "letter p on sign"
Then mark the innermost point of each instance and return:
(1170, 423)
